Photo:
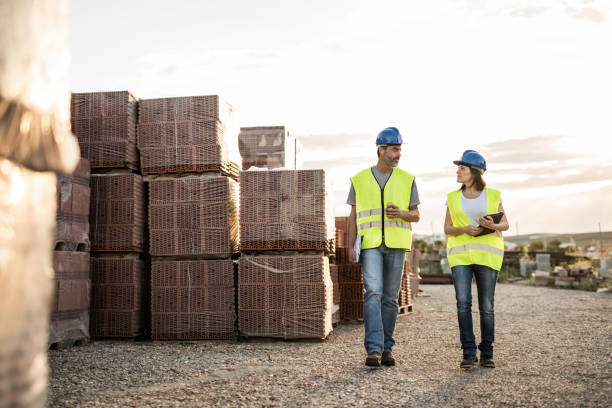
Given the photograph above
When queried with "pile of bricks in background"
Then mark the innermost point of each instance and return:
(268, 147)
(70, 308)
(189, 153)
(285, 296)
(187, 134)
(105, 124)
(285, 293)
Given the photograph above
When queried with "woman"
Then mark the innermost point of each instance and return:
(472, 253)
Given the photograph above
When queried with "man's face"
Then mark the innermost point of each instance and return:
(391, 155)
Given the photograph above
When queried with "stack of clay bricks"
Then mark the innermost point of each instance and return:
(350, 277)
(105, 125)
(267, 147)
(188, 150)
(287, 232)
(70, 306)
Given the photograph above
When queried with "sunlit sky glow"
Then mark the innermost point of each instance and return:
(527, 83)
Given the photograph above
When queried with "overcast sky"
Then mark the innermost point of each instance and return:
(526, 83)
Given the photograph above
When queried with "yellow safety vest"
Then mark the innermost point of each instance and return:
(370, 202)
(465, 249)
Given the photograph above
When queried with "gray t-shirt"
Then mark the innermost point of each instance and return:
(382, 179)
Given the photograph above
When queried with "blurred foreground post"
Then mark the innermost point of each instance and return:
(35, 143)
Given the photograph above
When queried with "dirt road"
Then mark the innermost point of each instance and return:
(553, 348)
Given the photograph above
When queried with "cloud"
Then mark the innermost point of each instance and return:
(536, 149)
(589, 14)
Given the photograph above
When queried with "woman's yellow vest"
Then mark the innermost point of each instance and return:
(370, 202)
(465, 249)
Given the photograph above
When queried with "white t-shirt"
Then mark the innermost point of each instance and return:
(474, 208)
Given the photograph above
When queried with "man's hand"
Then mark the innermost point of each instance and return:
(393, 211)
(471, 230)
(351, 255)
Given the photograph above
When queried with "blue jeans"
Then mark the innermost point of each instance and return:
(485, 282)
(382, 275)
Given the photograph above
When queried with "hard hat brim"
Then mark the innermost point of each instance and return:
(480, 169)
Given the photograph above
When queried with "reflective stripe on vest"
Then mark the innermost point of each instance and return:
(370, 218)
(464, 249)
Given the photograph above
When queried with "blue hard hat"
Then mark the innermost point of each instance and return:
(472, 159)
(389, 136)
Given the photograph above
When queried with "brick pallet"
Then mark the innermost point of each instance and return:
(117, 213)
(105, 125)
(194, 216)
(285, 296)
(187, 134)
(119, 304)
(69, 320)
(267, 146)
(192, 299)
(286, 210)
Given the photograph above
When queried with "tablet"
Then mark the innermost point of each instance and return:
(496, 218)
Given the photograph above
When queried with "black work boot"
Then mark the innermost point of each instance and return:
(487, 361)
(387, 359)
(373, 359)
(468, 362)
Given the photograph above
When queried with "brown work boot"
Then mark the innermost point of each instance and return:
(373, 359)
(387, 359)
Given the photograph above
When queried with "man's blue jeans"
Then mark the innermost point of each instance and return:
(382, 275)
(485, 283)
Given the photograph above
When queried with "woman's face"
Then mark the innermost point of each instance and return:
(464, 175)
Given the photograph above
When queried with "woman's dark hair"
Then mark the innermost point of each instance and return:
(479, 183)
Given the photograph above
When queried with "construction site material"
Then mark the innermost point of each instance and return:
(72, 219)
(194, 216)
(543, 262)
(188, 134)
(119, 305)
(286, 210)
(105, 125)
(192, 299)
(333, 272)
(70, 306)
(267, 147)
(117, 213)
(540, 278)
(285, 296)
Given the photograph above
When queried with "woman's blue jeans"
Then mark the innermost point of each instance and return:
(382, 276)
(485, 282)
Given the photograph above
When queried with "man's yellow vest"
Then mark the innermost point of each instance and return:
(465, 249)
(370, 202)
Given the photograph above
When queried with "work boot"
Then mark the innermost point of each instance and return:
(468, 362)
(387, 359)
(373, 359)
(487, 361)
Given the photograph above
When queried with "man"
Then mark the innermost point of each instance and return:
(384, 200)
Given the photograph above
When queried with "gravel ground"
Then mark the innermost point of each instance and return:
(553, 348)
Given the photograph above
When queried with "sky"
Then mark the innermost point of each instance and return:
(528, 84)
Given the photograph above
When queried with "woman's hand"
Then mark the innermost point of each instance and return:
(487, 222)
(471, 230)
